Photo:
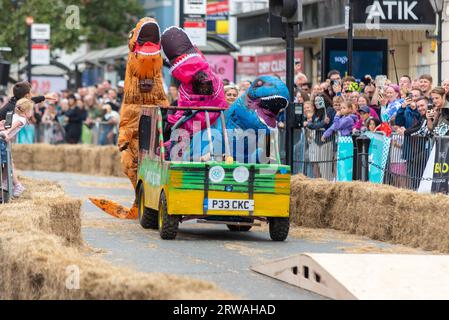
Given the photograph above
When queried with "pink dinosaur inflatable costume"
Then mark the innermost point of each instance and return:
(200, 86)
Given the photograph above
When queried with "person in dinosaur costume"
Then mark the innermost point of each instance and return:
(200, 86)
(143, 86)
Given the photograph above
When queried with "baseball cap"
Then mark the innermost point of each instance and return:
(365, 109)
(297, 61)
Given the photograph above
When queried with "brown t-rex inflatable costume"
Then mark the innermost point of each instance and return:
(143, 86)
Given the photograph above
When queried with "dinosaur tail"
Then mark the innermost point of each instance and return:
(115, 209)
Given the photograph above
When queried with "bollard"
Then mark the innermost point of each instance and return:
(355, 176)
(363, 143)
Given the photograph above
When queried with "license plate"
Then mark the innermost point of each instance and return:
(229, 204)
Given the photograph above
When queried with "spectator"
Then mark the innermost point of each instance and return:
(391, 103)
(421, 128)
(336, 103)
(23, 90)
(23, 112)
(120, 92)
(405, 83)
(344, 121)
(301, 80)
(111, 99)
(231, 94)
(173, 95)
(244, 86)
(416, 84)
(446, 88)
(408, 115)
(372, 124)
(438, 117)
(226, 82)
(324, 103)
(298, 66)
(109, 132)
(74, 118)
(425, 84)
(334, 75)
(53, 132)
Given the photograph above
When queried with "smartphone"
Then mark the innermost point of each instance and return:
(430, 104)
(8, 120)
(410, 96)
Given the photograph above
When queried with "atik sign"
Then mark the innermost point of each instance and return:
(223, 65)
(40, 47)
(275, 63)
(394, 12)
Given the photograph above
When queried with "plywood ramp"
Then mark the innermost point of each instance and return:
(364, 276)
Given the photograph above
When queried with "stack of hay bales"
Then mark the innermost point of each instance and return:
(380, 212)
(88, 159)
(40, 257)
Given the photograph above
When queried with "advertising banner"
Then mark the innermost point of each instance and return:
(436, 174)
(379, 150)
(345, 152)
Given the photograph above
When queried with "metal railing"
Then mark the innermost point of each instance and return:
(6, 178)
(99, 133)
(407, 157)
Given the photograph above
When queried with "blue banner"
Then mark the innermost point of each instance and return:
(345, 153)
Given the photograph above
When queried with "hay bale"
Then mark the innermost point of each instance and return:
(380, 212)
(36, 263)
(87, 159)
(46, 156)
(26, 159)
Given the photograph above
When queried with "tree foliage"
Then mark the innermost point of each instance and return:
(101, 23)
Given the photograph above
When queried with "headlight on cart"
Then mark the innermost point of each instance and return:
(240, 174)
(216, 174)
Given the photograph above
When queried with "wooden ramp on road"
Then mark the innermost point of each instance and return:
(364, 276)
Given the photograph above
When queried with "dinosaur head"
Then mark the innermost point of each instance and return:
(262, 103)
(144, 59)
(199, 85)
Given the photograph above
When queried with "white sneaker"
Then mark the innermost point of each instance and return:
(18, 190)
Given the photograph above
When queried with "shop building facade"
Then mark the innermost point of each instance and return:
(407, 27)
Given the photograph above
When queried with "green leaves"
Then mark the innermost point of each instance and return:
(101, 23)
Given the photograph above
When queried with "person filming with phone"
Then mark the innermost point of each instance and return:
(438, 116)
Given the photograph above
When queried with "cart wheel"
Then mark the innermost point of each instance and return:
(235, 228)
(168, 224)
(279, 228)
(147, 216)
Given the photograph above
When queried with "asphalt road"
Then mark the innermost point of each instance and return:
(209, 252)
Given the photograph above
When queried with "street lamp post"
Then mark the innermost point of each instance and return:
(438, 6)
(350, 27)
(29, 21)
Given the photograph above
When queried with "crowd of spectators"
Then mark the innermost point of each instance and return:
(74, 116)
(345, 106)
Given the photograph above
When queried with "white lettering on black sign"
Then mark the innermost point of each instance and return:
(392, 10)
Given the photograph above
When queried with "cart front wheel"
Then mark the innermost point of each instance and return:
(147, 216)
(279, 228)
(235, 228)
(168, 224)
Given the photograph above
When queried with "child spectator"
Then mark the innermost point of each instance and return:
(344, 121)
(23, 113)
(372, 124)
